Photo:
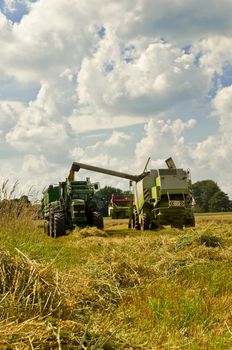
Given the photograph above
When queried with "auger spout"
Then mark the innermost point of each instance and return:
(76, 166)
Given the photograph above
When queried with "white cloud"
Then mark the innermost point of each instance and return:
(161, 140)
(215, 52)
(212, 156)
(102, 120)
(158, 76)
(118, 139)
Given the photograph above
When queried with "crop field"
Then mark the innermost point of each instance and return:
(117, 288)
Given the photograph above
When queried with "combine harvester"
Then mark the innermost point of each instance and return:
(161, 196)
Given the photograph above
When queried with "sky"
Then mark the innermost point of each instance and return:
(113, 83)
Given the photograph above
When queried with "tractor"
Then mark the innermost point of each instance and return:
(70, 204)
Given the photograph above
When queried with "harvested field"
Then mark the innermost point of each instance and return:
(117, 288)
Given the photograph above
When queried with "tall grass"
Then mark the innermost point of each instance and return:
(116, 289)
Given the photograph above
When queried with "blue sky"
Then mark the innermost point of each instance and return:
(112, 85)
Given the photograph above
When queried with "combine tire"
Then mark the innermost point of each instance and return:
(59, 225)
(190, 222)
(98, 220)
(154, 226)
(135, 220)
(145, 222)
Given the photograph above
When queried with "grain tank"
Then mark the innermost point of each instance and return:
(160, 196)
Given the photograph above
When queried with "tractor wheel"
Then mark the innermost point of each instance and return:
(135, 220)
(145, 222)
(46, 227)
(98, 220)
(59, 225)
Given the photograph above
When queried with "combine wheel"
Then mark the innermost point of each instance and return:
(98, 220)
(135, 219)
(190, 222)
(145, 222)
(59, 225)
(155, 226)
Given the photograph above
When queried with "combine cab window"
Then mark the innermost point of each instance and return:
(176, 197)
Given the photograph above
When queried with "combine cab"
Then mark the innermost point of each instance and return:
(68, 205)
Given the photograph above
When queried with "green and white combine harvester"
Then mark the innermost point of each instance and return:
(160, 197)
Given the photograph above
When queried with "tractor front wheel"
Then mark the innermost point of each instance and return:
(98, 220)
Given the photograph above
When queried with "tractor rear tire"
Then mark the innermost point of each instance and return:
(145, 222)
(59, 225)
(98, 220)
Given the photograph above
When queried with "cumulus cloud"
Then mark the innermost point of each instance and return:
(162, 139)
(101, 149)
(41, 125)
(156, 76)
(215, 52)
(117, 139)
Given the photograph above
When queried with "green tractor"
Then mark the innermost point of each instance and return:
(68, 205)
(161, 196)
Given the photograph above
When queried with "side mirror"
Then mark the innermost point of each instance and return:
(96, 186)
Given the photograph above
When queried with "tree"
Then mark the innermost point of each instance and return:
(209, 197)
(219, 202)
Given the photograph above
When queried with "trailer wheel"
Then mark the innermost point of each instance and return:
(135, 220)
(46, 227)
(51, 225)
(98, 220)
(59, 225)
(145, 222)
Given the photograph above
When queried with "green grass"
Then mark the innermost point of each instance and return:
(121, 289)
